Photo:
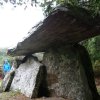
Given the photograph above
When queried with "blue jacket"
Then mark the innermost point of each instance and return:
(6, 67)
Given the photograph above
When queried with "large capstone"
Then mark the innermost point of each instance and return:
(63, 26)
(29, 77)
(65, 74)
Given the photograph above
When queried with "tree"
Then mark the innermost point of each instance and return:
(48, 5)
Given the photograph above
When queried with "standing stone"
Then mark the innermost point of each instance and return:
(87, 65)
(65, 74)
(6, 83)
(28, 77)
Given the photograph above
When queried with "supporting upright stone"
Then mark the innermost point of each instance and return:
(65, 74)
(87, 65)
(28, 77)
(6, 83)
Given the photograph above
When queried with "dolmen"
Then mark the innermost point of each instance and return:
(66, 70)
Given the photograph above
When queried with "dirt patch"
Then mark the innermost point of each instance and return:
(97, 81)
(18, 96)
(22, 97)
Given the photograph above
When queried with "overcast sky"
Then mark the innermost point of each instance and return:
(16, 22)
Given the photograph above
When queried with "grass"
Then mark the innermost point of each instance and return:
(0, 82)
(8, 95)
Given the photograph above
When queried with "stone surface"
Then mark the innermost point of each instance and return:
(87, 65)
(39, 56)
(6, 83)
(62, 27)
(65, 74)
(28, 77)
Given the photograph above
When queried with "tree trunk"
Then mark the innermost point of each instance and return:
(66, 76)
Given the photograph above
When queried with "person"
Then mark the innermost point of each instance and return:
(6, 67)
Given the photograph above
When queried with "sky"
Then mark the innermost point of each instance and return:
(16, 22)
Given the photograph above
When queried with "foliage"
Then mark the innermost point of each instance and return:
(48, 5)
(93, 47)
(3, 56)
(91, 5)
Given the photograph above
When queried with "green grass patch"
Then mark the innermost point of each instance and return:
(8, 95)
(0, 83)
